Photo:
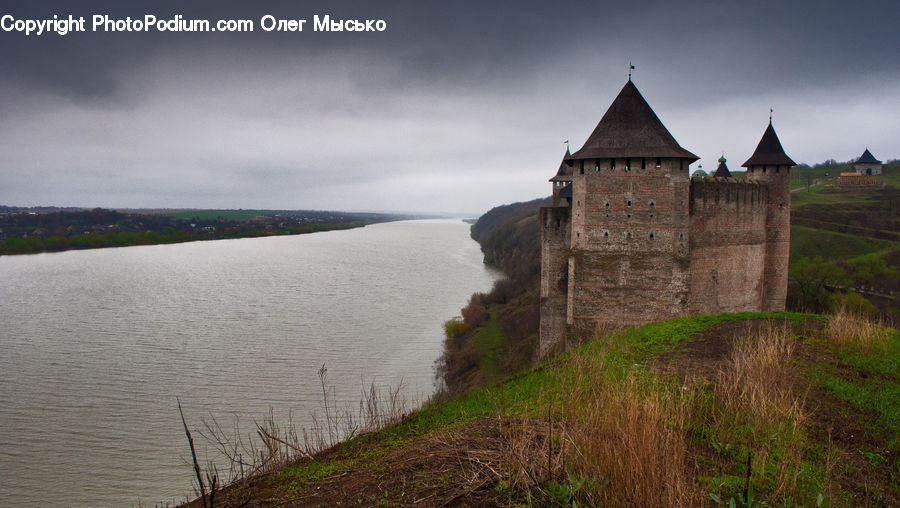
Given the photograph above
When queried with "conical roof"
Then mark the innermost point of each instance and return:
(769, 152)
(630, 128)
(867, 158)
(722, 171)
(565, 170)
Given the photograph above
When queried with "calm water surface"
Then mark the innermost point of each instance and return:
(95, 346)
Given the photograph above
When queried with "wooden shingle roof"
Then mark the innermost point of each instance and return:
(566, 168)
(769, 151)
(630, 128)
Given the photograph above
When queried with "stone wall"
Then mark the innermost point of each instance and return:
(643, 242)
(778, 232)
(556, 227)
(630, 262)
(728, 245)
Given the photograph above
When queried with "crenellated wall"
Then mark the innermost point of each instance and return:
(728, 245)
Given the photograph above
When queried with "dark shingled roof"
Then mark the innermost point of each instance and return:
(630, 128)
(867, 158)
(566, 192)
(722, 170)
(565, 170)
(769, 152)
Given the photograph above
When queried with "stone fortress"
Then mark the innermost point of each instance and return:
(632, 238)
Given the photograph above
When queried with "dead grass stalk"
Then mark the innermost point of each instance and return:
(848, 329)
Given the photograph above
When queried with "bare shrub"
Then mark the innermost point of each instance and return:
(849, 329)
(475, 312)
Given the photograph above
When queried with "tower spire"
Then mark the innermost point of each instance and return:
(630, 68)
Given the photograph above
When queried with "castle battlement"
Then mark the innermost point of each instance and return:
(632, 238)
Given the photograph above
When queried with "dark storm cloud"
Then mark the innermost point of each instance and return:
(458, 105)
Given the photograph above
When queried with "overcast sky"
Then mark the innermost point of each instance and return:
(457, 106)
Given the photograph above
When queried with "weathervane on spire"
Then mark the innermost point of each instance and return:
(630, 68)
(770, 114)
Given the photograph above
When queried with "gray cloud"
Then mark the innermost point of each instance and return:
(458, 106)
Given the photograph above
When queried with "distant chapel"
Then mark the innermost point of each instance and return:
(631, 238)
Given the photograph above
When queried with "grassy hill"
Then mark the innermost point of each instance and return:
(845, 233)
(780, 408)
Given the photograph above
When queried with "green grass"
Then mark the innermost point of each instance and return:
(821, 194)
(824, 193)
(489, 343)
(722, 464)
(809, 242)
(877, 393)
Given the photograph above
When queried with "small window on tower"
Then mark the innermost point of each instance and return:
(652, 204)
(643, 163)
(628, 202)
(597, 166)
(581, 169)
(607, 204)
(612, 164)
(658, 162)
(628, 164)
(651, 236)
(606, 233)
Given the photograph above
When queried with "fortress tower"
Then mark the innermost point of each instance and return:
(770, 166)
(630, 238)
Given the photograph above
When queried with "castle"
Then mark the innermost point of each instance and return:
(630, 238)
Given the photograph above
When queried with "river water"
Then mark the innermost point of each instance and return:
(95, 347)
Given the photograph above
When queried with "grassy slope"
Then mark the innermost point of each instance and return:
(866, 401)
(809, 242)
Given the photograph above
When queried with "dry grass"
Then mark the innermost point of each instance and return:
(848, 329)
(628, 436)
(275, 445)
(757, 379)
(762, 408)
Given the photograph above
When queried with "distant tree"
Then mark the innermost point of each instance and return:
(871, 268)
(813, 281)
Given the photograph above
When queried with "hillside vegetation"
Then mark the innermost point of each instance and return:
(845, 244)
(497, 332)
(737, 409)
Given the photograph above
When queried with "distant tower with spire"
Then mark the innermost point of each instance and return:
(631, 238)
(722, 171)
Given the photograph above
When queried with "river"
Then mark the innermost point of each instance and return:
(95, 347)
